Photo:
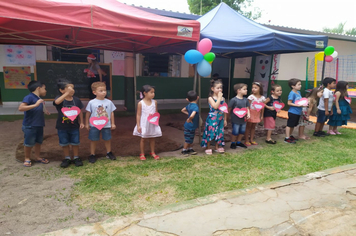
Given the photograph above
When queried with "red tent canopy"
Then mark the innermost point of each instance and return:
(104, 24)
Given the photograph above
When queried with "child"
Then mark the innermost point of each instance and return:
(341, 109)
(216, 120)
(324, 108)
(255, 116)
(306, 111)
(68, 130)
(147, 106)
(294, 111)
(98, 107)
(270, 113)
(33, 122)
(238, 124)
(192, 123)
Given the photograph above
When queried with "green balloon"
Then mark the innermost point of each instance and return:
(329, 50)
(209, 57)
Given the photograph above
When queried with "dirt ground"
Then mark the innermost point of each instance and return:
(37, 200)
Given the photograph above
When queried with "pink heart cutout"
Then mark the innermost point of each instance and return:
(99, 122)
(258, 105)
(154, 118)
(303, 101)
(348, 100)
(223, 108)
(240, 112)
(71, 112)
(278, 105)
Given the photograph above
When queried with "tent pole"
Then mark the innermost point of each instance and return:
(195, 79)
(323, 70)
(269, 77)
(199, 101)
(229, 82)
(306, 74)
(135, 80)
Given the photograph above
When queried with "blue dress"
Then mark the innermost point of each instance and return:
(214, 127)
(340, 119)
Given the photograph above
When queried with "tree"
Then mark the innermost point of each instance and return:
(340, 29)
(200, 7)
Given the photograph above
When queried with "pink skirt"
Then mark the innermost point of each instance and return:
(269, 122)
(255, 116)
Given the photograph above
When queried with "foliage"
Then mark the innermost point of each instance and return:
(200, 7)
(129, 185)
(340, 29)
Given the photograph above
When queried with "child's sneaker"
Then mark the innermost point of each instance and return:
(292, 137)
(241, 145)
(233, 146)
(192, 152)
(289, 140)
(318, 134)
(185, 153)
(111, 156)
(92, 159)
(78, 162)
(65, 163)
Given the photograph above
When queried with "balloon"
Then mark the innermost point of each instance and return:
(193, 56)
(209, 57)
(335, 54)
(320, 56)
(204, 68)
(204, 46)
(329, 50)
(329, 58)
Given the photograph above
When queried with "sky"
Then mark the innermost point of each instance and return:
(302, 14)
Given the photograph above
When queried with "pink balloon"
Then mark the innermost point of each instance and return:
(329, 58)
(204, 46)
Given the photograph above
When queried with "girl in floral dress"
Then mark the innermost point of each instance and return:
(216, 120)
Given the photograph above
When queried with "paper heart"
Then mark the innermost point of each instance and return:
(278, 105)
(303, 101)
(99, 122)
(71, 112)
(348, 100)
(223, 108)
(334, 97)
(240, 112)
(154, 118)
(258, 105)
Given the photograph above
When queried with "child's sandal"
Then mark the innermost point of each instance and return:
(142, 157)
(221, 150)
(208, 152)
(156, 157)
(247, 144)
(254, 143)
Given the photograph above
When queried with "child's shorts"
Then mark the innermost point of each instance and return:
(68, 137)
(255, 116)
(189, 135)
(321, 117)
(94, 134)
(33, 135)
(238, 129)
(269, 122)
(293, 120)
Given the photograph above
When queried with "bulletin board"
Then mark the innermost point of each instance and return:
(16, 77)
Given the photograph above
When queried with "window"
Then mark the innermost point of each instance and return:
(161, 65)
(77, 55)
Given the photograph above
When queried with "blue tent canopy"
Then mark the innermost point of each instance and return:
(234, 35)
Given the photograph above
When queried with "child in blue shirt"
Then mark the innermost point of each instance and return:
(192, 123)
(33, 122)
(295, 110)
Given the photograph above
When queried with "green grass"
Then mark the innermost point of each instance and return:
(130, 186)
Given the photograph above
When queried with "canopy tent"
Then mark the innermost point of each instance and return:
(104, 24)
(234, 35)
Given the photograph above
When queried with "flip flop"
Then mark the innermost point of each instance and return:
(142, 157)
(43, 161)
(27, 164)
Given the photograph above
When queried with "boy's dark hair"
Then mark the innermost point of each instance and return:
(192, 96)
(293, 82)
(239, 86)
(328, 80)
(274, 86)
(33, 85)
(62, 84)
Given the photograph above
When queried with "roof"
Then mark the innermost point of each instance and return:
(162, 12)
(104, 24)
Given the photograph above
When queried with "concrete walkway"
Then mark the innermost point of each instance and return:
(321, 203)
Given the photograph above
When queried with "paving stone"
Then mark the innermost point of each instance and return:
(136, 230)
(244, 232)
(249, 199)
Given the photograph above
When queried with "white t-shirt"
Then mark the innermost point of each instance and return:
(326, 94)
(99, 108)
(253, 98)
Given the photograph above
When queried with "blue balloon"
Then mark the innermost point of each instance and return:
(204, 68)
(193, 56)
